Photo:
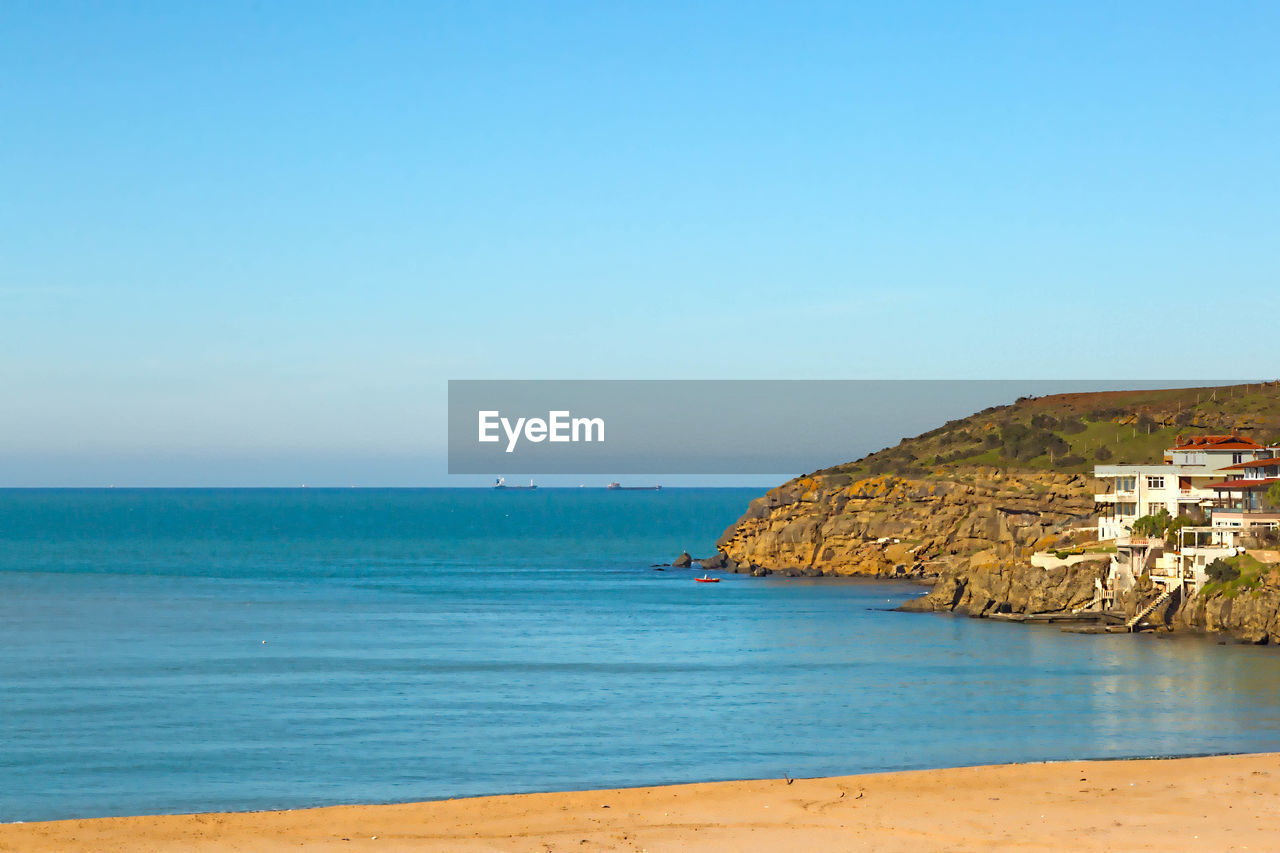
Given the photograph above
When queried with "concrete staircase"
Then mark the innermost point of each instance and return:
(1132, 624)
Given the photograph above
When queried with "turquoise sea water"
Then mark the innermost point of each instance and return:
(174, 651)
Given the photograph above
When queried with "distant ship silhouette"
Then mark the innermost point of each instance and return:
(501, 483)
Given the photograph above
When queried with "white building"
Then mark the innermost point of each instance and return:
(1223, 476)
(1183, 483)
(1179, 566)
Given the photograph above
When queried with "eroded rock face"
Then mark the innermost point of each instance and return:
(718, 561)
(889, 526)
(1251, 616)
(988, 585)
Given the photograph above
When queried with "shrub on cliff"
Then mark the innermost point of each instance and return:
(1072, 426)
(1220, 571)
(1232, 576)
(1017, 441)
(1103, 454)
(1057, 447)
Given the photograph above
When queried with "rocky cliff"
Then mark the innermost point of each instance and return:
(1250, 618)
(984, 587)
(889, 525)
(1246, 608)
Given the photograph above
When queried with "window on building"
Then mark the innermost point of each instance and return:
(1155, 482)
(1126, 508)
(1237, 458)
(1125, 484)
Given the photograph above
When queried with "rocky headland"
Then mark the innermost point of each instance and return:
(964, 507)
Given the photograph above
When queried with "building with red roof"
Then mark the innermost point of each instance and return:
(1216, 442)
(1225, 476)
(1245, 485)
(1184, 484)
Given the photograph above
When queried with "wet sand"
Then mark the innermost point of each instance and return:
(1187, 804)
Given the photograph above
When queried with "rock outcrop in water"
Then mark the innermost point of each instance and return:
(985, 587)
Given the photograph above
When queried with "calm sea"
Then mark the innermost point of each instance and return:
(176, 651)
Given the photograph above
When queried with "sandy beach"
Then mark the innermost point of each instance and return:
(1189, 804)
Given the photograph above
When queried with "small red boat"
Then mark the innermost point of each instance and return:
(705, 579)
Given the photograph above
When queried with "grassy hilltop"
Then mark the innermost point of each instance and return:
(1070, 433)
(992, 488)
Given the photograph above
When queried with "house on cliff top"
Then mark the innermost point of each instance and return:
(1240, 497)
(1189, 482)
(1221, 478)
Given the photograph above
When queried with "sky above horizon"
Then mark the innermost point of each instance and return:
(249, 243)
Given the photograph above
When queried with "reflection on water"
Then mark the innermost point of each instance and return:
(241, 650)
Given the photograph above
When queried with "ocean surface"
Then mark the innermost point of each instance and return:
(190, 650)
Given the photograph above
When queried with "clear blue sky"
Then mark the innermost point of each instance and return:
(249, 242)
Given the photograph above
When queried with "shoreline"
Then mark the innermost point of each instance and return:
(1211, 803)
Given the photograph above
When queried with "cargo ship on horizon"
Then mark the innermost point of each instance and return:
(501, 483)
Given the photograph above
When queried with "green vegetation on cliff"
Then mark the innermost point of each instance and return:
(1070, 433)
(1233, 575)
(1242, 601)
